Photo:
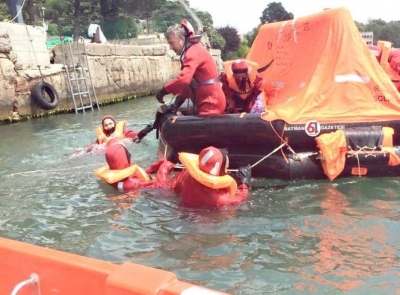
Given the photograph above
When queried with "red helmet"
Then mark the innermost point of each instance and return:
(117, 156)
(239, 66)
(188, 28)
(213, 161)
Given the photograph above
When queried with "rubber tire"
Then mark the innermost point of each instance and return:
(37, 92)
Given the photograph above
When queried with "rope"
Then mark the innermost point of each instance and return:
(34, 53)
(180, 166)
(274, 151)
(296, 157)
(362, 150)
(19, 11)
(165, 151)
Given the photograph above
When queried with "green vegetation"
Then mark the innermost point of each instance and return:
(129, 18)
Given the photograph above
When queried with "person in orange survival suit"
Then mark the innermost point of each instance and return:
(122, 174)
(205, 182)
(393, 59)
(199, 77)
(242, 86)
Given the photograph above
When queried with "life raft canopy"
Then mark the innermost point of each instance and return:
(319, 68)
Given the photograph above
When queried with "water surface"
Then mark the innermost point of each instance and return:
(304, 237)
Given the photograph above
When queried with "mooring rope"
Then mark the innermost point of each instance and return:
(274, 151)
(180, 166)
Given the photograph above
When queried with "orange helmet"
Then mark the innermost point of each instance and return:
(213, 161)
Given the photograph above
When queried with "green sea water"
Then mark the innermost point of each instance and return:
(303, 237)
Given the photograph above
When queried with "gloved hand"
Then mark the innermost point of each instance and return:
(142, 133)
(243, 175)
(171, 109)
(156, 165)
(160, 95)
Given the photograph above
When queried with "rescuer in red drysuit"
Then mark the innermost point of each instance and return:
(199, 77)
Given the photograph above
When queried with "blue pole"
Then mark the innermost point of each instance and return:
(16, 6)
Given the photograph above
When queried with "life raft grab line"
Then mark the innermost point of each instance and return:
(166, 147)
(284, 142)
(180, 166)
(366, 151)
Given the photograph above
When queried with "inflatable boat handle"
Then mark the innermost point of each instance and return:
(296, 157)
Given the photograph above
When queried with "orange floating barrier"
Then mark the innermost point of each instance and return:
(29, 269)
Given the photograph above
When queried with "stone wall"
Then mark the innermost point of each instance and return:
(116, 70)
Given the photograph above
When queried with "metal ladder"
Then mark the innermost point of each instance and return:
(76, 75)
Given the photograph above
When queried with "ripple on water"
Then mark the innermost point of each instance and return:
(289, 238)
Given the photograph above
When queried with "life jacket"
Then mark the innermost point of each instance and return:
(191, 163)
(118, 133)
(114, 176)
(251, 75)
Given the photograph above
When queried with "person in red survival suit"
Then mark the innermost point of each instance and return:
(125, 176)
(242, 86)
(393, 60)
(205, 182)
(110, 128)
(199, 77)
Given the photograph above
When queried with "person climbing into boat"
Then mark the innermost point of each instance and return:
(242, 86)
(199, 77)
(205, 182)
(121, 172)
(393, 59)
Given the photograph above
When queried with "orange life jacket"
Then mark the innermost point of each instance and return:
(251, 74)
(118, 133)
(191, 163)
(114, 176)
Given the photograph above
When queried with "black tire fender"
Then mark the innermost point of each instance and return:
(45, 95)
